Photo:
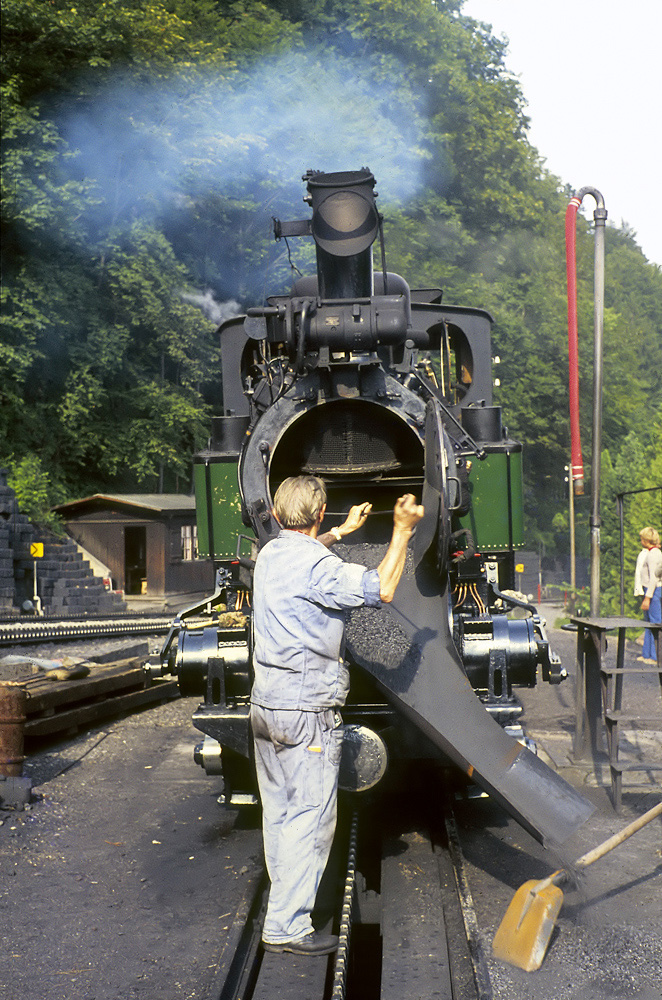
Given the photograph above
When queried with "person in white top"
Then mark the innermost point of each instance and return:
(651, 583)
(638, 585)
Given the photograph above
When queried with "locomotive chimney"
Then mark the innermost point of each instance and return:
(345, 224)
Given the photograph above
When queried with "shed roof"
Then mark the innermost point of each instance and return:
(156, 503)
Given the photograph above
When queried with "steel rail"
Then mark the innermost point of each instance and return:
(242, 955)
(17, 633)
(477, 954)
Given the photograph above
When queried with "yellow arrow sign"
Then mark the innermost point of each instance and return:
(519, 568)
(37, 550)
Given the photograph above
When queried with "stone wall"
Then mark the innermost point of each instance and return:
(66, 584)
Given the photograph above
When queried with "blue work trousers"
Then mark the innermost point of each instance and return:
(297, 758)
(654, 614)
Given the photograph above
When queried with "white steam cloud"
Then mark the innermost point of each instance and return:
(148, 146)
(215, 311)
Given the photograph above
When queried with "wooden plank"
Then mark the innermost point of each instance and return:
(625, 766)
(647, 721)
(291, 977)
(415, 950)
(647, 669)
(44, 694)
(85, 714)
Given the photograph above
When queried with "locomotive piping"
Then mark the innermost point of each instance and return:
(577, 473)
(577, 465)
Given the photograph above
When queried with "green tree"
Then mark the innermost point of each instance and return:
(147, 147)
(72, 292)
(635, 472)
(35, 492)
(131, 403)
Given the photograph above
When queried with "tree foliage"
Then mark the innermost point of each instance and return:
(146, 147)
(36, 494)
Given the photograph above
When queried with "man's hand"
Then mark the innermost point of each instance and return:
(407, 513)
(355, 519)
(645, 604)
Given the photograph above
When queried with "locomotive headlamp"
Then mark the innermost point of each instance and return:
(345, 221)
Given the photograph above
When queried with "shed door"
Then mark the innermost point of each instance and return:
(135, 559)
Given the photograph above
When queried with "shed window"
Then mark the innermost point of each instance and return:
(189, 536)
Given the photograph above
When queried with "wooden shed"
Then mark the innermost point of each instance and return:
(147, 540)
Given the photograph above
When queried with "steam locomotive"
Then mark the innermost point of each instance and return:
(379, 389)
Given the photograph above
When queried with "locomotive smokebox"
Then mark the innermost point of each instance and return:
(345, 224)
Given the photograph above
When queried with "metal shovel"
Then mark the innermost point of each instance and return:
(527, 926)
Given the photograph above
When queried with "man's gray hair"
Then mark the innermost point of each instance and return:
(299, 500)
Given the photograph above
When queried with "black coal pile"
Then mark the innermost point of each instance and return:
(373, 638)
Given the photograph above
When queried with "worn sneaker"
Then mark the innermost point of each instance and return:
(314, 943)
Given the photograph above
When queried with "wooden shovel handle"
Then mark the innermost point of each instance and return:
(618, 838)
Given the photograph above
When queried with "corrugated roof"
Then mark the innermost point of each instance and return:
(156, 502)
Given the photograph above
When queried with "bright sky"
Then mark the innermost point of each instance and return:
(590, 73)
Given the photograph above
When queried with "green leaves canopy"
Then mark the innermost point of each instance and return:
(146, 148)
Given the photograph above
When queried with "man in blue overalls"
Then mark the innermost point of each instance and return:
(301, 593)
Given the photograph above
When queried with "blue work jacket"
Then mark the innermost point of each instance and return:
(300, 595)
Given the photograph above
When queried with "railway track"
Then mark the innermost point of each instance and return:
(47, 700)
(394, 891)
(397, 896)
(16, 632)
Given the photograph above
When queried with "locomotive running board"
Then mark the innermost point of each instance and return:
(419, 672)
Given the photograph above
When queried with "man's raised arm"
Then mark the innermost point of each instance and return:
(406, 515)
